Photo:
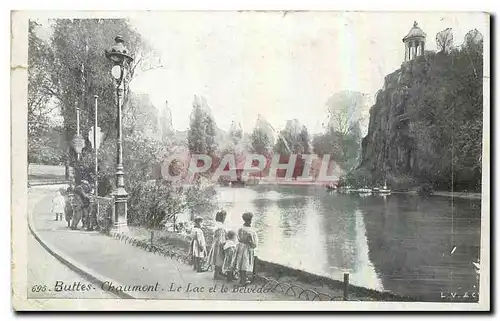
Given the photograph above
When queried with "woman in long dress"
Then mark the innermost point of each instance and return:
(198, 245)
(78, 207)
(216, 255)
(245, 251)
(68, 208)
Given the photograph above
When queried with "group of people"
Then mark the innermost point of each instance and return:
(75, 204)
(232, 255)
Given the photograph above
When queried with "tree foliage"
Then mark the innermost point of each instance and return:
(202, 129)
(433, 133)
(342, 136)
(293, 139)
(444, 40)
(43, 144)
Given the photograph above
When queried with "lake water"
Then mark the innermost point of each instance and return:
(397, 243)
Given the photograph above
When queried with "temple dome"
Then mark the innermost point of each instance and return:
(415, 32)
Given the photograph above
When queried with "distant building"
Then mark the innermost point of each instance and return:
(414, 42)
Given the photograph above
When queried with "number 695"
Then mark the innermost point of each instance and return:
(39, 288)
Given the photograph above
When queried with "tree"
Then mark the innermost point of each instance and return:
(210, 134)
(444, 40)
(202, 129)
(261, 142)
(43, 147)
(261, 137)
(345, 110)
(196, 132)
(472, 37)
(342, 137)
(235, 133)
(80, 70)
(304, 142)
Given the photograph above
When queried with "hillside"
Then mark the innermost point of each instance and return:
(426, 124)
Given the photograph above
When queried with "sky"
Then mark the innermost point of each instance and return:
(281, 66)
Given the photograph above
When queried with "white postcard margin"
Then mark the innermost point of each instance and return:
(19, 226)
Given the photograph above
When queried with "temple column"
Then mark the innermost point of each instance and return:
(406, 51)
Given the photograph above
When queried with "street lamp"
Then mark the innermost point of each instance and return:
(119, 56)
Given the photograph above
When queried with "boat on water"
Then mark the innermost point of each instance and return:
(331, 187)
(349, 190)
(364, 190)
(383, 190)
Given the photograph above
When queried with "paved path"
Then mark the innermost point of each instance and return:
(123, 264)
(46, 273)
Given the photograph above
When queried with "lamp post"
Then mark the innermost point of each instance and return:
(119, 56)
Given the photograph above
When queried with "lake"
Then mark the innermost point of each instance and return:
(399, 243)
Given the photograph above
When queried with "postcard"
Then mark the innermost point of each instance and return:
(250, 160)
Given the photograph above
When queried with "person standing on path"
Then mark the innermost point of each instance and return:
(216, 255)
(58, 204)
(245, 251)
(68, 208)
(229, 256)
(86, 205)
(78, 207)
(198, 246)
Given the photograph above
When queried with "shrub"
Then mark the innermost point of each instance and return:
(153, 203)
(200, 197)
(360, 177)
(400, 182)
(425, 190)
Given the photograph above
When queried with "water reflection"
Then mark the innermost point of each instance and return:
(412, 239)
(399, 243)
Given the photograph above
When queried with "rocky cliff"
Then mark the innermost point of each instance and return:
(426, 124)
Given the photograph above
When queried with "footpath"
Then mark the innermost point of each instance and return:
(113, 265)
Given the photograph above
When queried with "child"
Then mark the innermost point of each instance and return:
(216, 256)
(229, 256)
(198, 245)
(245, 251)
(58, 204)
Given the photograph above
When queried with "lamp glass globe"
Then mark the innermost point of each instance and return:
(116, 72)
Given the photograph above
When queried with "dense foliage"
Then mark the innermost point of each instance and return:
(426, 125)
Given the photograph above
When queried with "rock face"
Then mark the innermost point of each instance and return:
(388, 146)
(426, 124)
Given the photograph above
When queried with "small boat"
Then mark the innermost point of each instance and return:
(364, 190)
(383, 190)
(345, 189)
(331, 187)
